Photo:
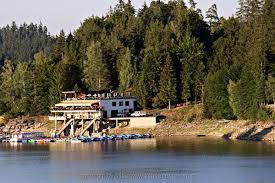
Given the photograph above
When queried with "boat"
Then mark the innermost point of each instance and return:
(147, 135)
(96, 139)
(75, 140)
(31, 141)
(87, 140)
(16, 140)
(25, 137)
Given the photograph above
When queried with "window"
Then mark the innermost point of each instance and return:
(126, 103)
(113, 103)
(120, 103)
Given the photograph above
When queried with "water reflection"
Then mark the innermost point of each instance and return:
(175, 159)
(108, 146)
(210, 146)
(186, 145)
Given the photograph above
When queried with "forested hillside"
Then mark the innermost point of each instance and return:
(161, 52)
(20, 43)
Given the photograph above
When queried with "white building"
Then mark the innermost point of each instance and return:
(117, 106)
(91, 111)
(96, 108)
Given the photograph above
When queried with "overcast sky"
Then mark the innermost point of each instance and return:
(68, 14)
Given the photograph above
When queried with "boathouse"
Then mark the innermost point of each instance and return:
(81, 113)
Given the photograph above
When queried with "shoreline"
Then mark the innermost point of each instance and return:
(173, 125)
(230, 130)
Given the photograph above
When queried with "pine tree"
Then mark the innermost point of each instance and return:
(6, 89)
(41, 74)
(167, 88)
(192, 54)
(126, 71)
(216, 97)
(157, 45)
(248, 106)
(212, 16)
(95, 71)
(199, 82)
(60, 47)
(21, 81)
(140, 90)
(226, 48)
(56, 84)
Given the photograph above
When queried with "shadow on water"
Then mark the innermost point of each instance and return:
(184, 145)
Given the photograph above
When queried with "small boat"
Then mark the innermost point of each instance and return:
(112, 137)
(140, 136)
(25, 141)
(133, 136)
(62, 140)
(96, 139)
(31, 141)
(75, 140)
(87, 140)
(147, 135)
(103, 138)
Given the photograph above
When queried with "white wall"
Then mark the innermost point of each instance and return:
(143, 122)
(107, 105)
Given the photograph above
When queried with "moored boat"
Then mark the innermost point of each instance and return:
(75, 140)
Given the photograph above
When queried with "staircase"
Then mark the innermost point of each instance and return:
(65, 126)
(87, 127)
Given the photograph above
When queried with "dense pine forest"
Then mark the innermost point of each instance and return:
(162, 52)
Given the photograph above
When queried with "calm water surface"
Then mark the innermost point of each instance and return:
(178, 159)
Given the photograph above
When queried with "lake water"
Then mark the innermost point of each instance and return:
(179, 159)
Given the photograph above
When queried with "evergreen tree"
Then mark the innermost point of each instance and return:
(60, 47)
(95, 71)
(199, 79)
(21, 79)
(140, 90)
(226, 47)
(41, 74)
(167, 88)
(6, 89)
(248, 103)
(212, 16)
(192, 55)
(154, 54)
(126, 71)
(56, 84)
(216, 97)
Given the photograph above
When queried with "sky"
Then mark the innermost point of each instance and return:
(68, 14)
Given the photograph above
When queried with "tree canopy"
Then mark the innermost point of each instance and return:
(162, 52)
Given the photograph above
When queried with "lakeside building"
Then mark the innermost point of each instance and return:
(90, 112)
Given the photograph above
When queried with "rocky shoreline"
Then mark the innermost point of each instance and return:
(237, 130)
(241, 130)
(10, 126)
